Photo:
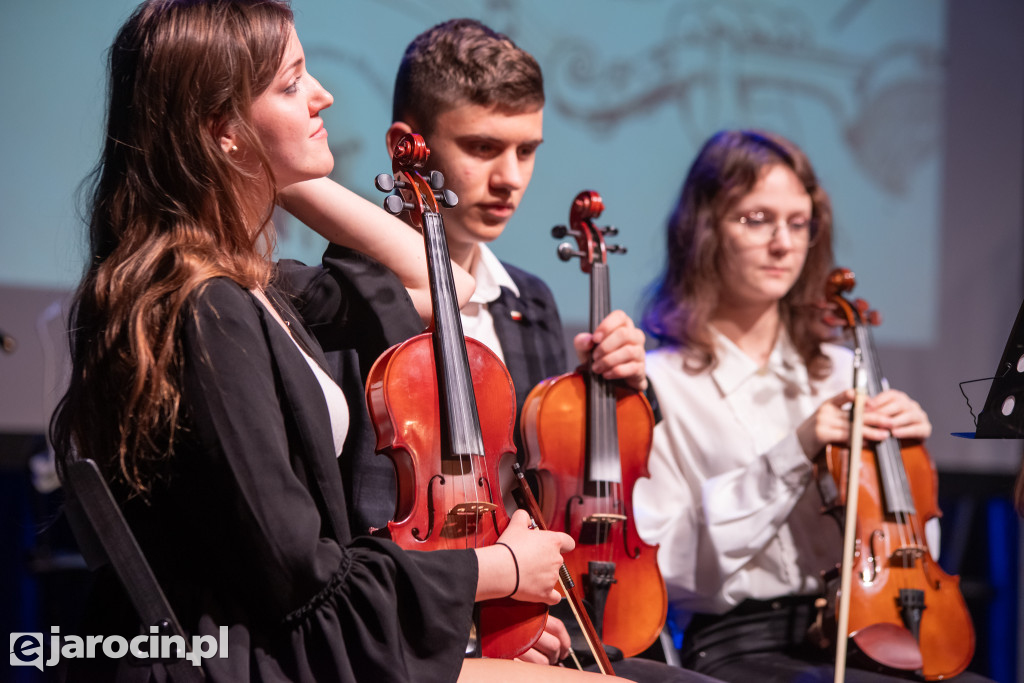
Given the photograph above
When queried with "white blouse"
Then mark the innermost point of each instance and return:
(730, 498)
(337, 406)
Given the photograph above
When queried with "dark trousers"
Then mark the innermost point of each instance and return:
(765, 641)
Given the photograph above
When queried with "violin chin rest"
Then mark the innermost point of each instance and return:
(891, 645)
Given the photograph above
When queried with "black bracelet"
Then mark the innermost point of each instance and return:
(514, 562)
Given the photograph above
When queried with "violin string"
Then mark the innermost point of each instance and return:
(459, 422)
(889, 454)
(608, 450)
(604, 395)
(890, 463)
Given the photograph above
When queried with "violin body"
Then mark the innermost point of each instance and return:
(905, 612)
(554, 421)
(401, 393)
(885, 564)
(437, 505)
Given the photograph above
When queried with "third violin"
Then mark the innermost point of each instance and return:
(593, 438)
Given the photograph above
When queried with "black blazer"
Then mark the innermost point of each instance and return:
(251, 532)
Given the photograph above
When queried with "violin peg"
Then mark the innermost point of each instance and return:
(610, 230)
(559, 231)
(615, 249)
(447, 198)
(437, 180)
(395, 205)
(385, 182)
(566, 252)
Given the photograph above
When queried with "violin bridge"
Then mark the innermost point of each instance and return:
(597, 528)
(907, 556)
(473, 508)
(605, 517)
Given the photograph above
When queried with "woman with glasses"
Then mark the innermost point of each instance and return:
(749, 395)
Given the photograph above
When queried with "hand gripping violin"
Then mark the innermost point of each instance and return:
(593, 438)
(443, 408)
(904, 611)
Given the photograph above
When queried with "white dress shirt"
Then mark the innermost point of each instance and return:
(730, 498)
(477, 321)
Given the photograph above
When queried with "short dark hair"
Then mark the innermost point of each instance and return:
(459, 62)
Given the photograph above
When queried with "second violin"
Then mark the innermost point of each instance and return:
(593, 438)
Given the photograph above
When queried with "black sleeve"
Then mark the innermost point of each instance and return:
(376, 307)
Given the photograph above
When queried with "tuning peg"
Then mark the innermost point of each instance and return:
(385, 182)
(615, 248)
(610, 230)
(560, 231)
(394, 204)
(566, 252)
(447, 198)
(436, 180)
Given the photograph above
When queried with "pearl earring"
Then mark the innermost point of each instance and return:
(234, 148)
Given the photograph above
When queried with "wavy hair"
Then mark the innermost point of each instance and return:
(682, 300)
(169, 209)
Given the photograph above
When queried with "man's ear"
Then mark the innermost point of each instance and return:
(394, 134)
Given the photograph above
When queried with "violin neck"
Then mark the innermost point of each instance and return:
(460, 421)
(603, 464)
(892, 474)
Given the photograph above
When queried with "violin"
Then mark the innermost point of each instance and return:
(443, 409)
(904, 612)
(593, 438)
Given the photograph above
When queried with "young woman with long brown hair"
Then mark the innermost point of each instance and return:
(201, 393)
(750, 394)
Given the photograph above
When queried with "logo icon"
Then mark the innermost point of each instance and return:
(27, 650)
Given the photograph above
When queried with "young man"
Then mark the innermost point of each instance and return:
(478, 100)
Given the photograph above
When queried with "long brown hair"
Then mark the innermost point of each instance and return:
(169, 210)
(683, 299)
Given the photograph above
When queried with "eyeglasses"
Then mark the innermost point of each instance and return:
(761, 227)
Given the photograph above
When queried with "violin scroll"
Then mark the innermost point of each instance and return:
(416, 194)
(590, 245)
(851, 314)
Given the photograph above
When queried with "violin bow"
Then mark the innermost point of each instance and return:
(852, 491)
(568, 585)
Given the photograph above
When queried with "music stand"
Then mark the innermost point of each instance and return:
(1003, 414)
